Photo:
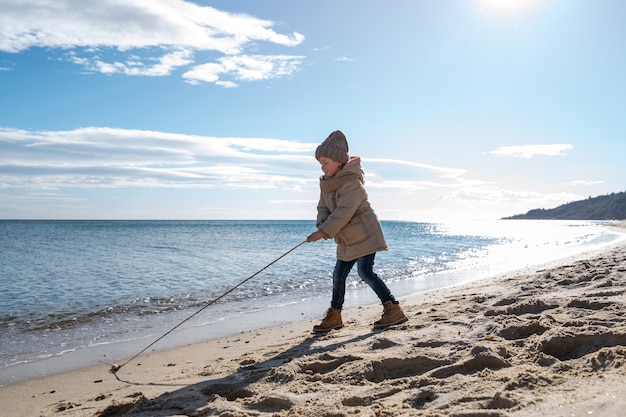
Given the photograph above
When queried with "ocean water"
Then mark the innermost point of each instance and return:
(78, 293)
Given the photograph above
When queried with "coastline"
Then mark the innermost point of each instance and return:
(547, 340)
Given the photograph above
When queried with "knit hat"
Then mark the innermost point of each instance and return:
(334, 147)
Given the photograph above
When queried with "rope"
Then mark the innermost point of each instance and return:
(117, 367)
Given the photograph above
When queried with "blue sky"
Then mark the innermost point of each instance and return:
(171, 109)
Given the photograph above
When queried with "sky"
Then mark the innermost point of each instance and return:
(173, 109)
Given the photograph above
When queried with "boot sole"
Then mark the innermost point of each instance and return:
(326, 330)
(383, 326)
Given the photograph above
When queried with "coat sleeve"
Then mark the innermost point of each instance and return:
(322, 212)
(349, 197)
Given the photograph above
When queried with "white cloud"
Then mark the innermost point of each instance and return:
(148, 38)
(396, 174)
(158, 66)
(528, 151)
(36, 197)
(584, 183)
(307, 203)
(244, 68)
(108, 158)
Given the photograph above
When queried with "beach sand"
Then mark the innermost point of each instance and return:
(547, 341)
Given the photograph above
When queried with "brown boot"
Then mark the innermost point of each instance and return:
(392, 314)
(331, 321)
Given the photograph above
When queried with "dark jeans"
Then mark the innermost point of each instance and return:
(365, 267)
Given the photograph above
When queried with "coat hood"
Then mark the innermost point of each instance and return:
(351, 170)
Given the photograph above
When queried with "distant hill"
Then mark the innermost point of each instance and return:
(605, 207)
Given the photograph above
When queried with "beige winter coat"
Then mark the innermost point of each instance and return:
(344, 213)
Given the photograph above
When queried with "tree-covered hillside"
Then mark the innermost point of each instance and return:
(606, 207)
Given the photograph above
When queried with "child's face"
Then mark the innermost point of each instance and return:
(329, 166)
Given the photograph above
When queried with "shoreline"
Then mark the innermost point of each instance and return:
(518, 344)
(110, 351)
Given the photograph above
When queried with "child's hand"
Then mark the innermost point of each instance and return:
(314, 237)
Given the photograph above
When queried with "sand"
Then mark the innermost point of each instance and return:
(547, 341)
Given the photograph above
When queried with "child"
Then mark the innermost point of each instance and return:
(344, 214)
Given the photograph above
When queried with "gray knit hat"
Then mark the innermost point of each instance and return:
(334, 147)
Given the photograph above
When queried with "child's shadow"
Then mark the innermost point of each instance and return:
(192, 397)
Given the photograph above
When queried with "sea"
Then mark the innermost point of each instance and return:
(81, 293)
